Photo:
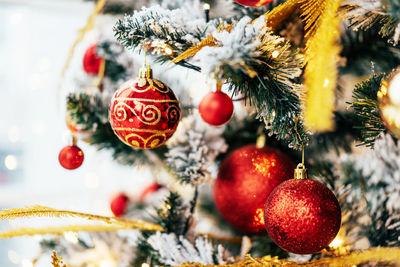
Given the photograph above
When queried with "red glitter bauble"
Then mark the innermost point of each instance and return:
(71, 157)
(245, 179)
(216, 108)
(302, 216)
(253, 2)
(118, 204)
(144, 113)
(91, 61)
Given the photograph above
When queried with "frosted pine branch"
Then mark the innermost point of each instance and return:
(371, 182)
(194, 148)
(175, 250)
(158, 27)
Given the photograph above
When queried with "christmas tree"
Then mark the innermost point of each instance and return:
(271, 128)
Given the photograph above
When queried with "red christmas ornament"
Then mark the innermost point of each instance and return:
(91, 61)
(245, 179)
(253, 2)
(119, 204)
(144, 113)
(302, 216)
(152, 188)
(71, 157)
(216, 108)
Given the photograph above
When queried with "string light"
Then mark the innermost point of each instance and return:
(326, 82)
(275, 54)
(168, 51)
(145, 265)
(11, 162)
(337, 242)
(71, 237)
(206, 8)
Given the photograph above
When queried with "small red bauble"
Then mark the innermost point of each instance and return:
(152, 188)
(245, 179)
(144, 113)
(216, 108)
(302, 216)
(91, 61)
(118, 204)
(253, 2)
(71, 157)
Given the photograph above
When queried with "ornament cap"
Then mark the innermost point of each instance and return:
(146, 72)
(300, 172)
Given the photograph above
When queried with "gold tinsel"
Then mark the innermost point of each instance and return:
(81, 33)
(57, 261)
(59, 230)
(382, 255)
(322, 54)
(40, 211)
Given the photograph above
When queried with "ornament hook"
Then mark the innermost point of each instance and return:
(301, 172)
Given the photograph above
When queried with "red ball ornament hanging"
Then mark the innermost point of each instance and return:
(302, 216)
(144, 113)
(216, 108)
(71, 157)
(119, 204)
(91, 61)
(245, 179)
(150, 189)
(253, 2)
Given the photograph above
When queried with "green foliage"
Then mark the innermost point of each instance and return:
(145, 253)
(365, 51)
(172, 214)
(365, 106)
(341, 138)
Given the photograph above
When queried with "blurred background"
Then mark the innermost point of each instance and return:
(35, 37)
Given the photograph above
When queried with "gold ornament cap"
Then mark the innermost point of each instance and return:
(300, 172)
(389, 102)
(146, 72)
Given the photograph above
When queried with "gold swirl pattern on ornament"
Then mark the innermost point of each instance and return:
(157, 140)
(147, 100)
(150, 113)
(143, 81)
(143, 130)
(174, 114)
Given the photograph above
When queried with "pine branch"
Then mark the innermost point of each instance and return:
(364, 15)
(171, 215)
(365, 106)
(193, 204)
(156, 30)
(365, 51)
